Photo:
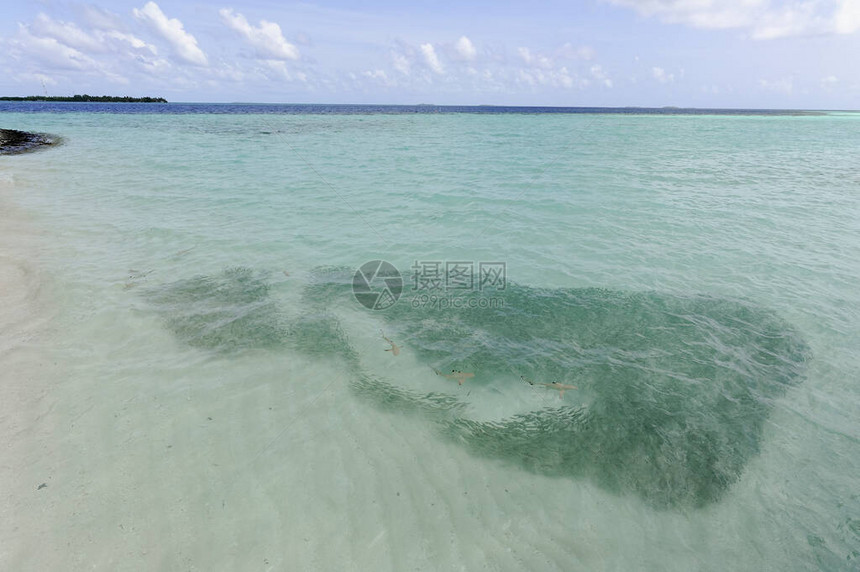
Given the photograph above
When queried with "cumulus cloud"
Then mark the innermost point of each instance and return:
(660, 75)
(431, 59)
(465, 49)
(792, 20)
(50, 52)
(66, 33)
(534, 59)
(80, 52)
(401, 63)
(377, 76)
(184, 44)
(267, 38)
(847, 18)
(416, 66)
(98, 41)
(599, 74)
(561, 77)
(132, 41)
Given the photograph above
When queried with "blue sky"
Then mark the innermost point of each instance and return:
(691, 53)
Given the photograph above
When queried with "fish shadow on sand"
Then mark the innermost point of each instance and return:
(666, 396)
(224, 312)
(678, 387)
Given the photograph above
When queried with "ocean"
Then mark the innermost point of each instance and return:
(261, 337)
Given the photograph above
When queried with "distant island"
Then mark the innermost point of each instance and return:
(88, 99)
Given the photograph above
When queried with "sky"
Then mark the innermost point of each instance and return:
(776, 54)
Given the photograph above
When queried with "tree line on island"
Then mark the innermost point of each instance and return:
(88, 99)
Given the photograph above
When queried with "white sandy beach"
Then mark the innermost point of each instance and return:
(26, 377)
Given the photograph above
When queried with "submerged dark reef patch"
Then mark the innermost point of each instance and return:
(225, 312)
(13, 142)
(674, 390)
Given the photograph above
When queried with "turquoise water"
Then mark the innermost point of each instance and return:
(217, 398)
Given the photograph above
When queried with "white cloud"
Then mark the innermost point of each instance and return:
(279, 68)
(37, 78)
(183, 44)
(432, 59)
(794, 20)
(569, 51)
(52, 53)
(401, 63)
(564, 78)
(379, 76)
(376, 74)
(829, 82)
(97, 41)
(714, 14)
(133, 41)
(525, 54)
(763, 19)
(465, 49)
(491, 72)
(660, 75)
(68, 52)
(847, 18)
(784, 85)
(525, 77)
(267, 38)
(534, 60)
(598, 73)
(65, 33)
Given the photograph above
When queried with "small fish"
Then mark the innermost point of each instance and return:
(287, 274)
(460, 376)
(186, 251)
(394, 349)
(136, 274)
(561, 387)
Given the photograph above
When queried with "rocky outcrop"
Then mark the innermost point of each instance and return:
(13, 142)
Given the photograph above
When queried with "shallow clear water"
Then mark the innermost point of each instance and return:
(210, 394)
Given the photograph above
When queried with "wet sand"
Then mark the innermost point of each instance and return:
(25, 379)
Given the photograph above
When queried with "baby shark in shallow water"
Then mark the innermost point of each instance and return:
(561, 387)
(394, 349)
(134, 276)
(184, 252)
(460, 376)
